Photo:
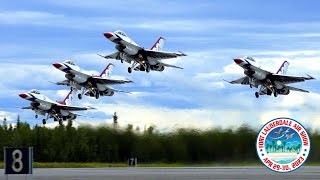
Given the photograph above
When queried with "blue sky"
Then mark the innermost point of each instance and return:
(35, 34)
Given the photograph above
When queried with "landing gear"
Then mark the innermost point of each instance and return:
(148, 68)
(44, 121)
(36, 116)
(121, 60)
(80, 96)
(97, 95)
(257, 94)
(129, 69)
(275, 94)
(60, 121)
(250, 85)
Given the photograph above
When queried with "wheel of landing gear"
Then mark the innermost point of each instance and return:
(257, 95)
(80, 96)
(121, 60)
(36, 116)
(44, 121)
(97, 95)
(275, 94)
(129, 69)
(60, 122)
(148, 68)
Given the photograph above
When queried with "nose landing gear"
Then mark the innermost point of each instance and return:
(257, 94)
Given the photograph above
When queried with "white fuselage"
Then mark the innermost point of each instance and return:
(79, 76)
(42, 103)
(251, 70)
(257, 75)
(129, 49)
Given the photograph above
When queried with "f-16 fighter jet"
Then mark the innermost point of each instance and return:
(92, 85)
(270, 83)
(289, 136)
(278, 133)
(142, 59)
(60, 110)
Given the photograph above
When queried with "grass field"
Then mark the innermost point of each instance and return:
(104, 165)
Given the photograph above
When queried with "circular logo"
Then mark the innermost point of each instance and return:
(283, 145)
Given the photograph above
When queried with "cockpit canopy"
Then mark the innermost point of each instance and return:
(249, 58)
(70, 62)
(34, 91)
(121, 33)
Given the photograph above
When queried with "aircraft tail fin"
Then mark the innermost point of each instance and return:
(158, 45)
(69, 98)
(283, 68)
(107, 71)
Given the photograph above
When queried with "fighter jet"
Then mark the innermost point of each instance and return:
(91, 85)
(278, 132)
(59, 111)
(289, 136)
(270, 83)
(142, 59)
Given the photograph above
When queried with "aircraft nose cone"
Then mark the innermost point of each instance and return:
(107, 35)
(57, 65)
(23, 95)
(238, 60)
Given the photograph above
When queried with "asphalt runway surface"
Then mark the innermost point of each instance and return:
(194, 173)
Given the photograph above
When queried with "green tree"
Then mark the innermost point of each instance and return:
(5, 126)
(18, 122)
(274, 145)
(284, 146)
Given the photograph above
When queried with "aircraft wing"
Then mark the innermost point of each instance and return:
(110, 88)
(101, 80)
(116, 90)
(73, 108)
(169, 65)
(243, 81)
(81, 115)
(289, 79)
(297, 89)
(65, 82)
(162, 55)
(115, 55)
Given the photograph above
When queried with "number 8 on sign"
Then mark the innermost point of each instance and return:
(17, 160)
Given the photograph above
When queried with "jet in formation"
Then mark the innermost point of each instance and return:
(270, 83)
(91, 85)
(142, 59)
(58, 110)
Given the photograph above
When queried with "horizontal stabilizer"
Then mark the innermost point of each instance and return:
(297, 89)
(65, 82)
(28, 107)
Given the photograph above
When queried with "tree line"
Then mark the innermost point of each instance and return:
(66, 143)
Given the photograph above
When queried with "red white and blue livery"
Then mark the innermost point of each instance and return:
(91, 85)
(142, 59)
(58, 110)
(270, 83)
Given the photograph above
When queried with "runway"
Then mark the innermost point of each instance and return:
(189, 173)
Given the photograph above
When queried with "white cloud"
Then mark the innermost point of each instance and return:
(24, 75)
(170, 118)
(295, 99)
(26, 17)
(268, 116)
(43, 18)
(8, 115)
